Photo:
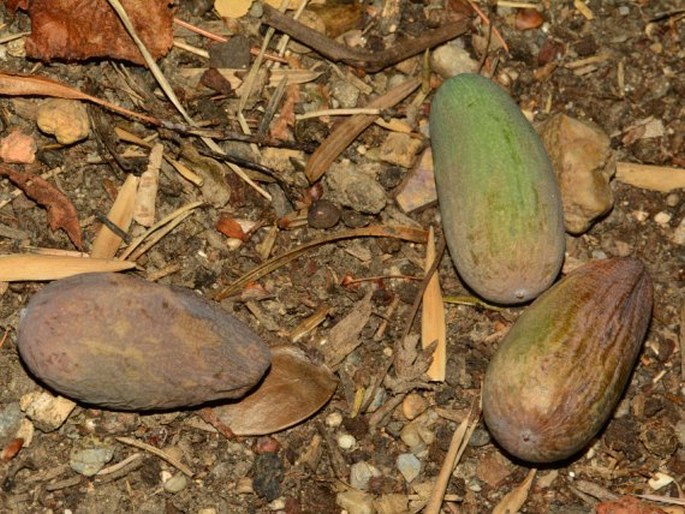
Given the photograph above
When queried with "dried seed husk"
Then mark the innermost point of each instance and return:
(562, 368)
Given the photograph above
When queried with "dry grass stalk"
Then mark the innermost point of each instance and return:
(456, 449)
(172, 219)
(433, 326)
(20, 267)
(106, 242)
(156, 451)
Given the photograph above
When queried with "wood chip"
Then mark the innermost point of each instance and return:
(344, 337)
(433, 326)
(144, 211)
(106, 242)
(656, 178)
(514, 500)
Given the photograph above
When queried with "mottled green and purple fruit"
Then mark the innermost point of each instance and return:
(562, 368)
(122, 342)
(499, 200)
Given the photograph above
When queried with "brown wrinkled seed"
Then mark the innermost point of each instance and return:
(121, 342)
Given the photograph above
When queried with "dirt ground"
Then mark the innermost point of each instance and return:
(634, 75)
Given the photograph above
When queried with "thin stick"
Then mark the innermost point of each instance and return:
(159, 453)
(456, 449)
(338, 112)
(406, 233)
(168, 219)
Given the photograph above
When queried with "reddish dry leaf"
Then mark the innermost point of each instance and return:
(61, 212)
(58, 30)
(293, 390)
(230, 227)
(627, 505)
(286, 117)
(11, 449)
(528, 19)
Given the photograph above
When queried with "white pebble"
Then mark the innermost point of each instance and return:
(346, 441)
(334, 420)
(662, 218)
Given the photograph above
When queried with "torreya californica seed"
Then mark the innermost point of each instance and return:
(499, 200)
(562, 367)
(121, 342)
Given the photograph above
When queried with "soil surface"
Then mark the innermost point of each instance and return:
(622, 69)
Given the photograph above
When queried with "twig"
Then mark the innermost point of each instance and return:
(369, 61)
(171, 218)
(406, 233)
(456, 449)
(338, 112)
(159, 453)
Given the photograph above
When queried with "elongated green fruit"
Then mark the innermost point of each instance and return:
(499, 200)
(561, 369)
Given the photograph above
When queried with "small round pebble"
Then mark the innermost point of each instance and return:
(176, 483)
(346, 441)
(334, 420)
(323, 214)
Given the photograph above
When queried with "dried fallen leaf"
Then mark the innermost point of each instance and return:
(344, 337)
(627, 505)
(293, 390)
(514, 500)
(106, 242)
(20, 267)
(61, 212)
(25, 85)
(433, 317)
(58, 30)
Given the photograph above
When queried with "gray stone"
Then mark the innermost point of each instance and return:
(409, 465)
(356, 186)
(90, 457)
(345, 93)
(176, 483)
(360, 474)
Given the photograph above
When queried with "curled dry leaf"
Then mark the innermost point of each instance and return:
(61, 212)
(58, 30)
(293, 390)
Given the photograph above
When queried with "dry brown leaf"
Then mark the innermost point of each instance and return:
(433, 326)
(286, 117)
(25, 85)
(61, 212)
(344, 337)
(293, 390)
(22, 267)
(627, 505)
(58, 30)
(514, 500)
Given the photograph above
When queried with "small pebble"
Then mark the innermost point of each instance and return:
(360, 474)
(268, 474)
(673, 200)
(450, 59)
(624, 10)
(89, 460)
(662, 218)
(334, 420)
(66, 119)
(47, 412)
(176, 483)
(480, 437)
(413, 405)
(355, 502)
(679, 233)
(346, 441)
(277, 504)
(410, 435)
(323, 214)
(409, 465)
